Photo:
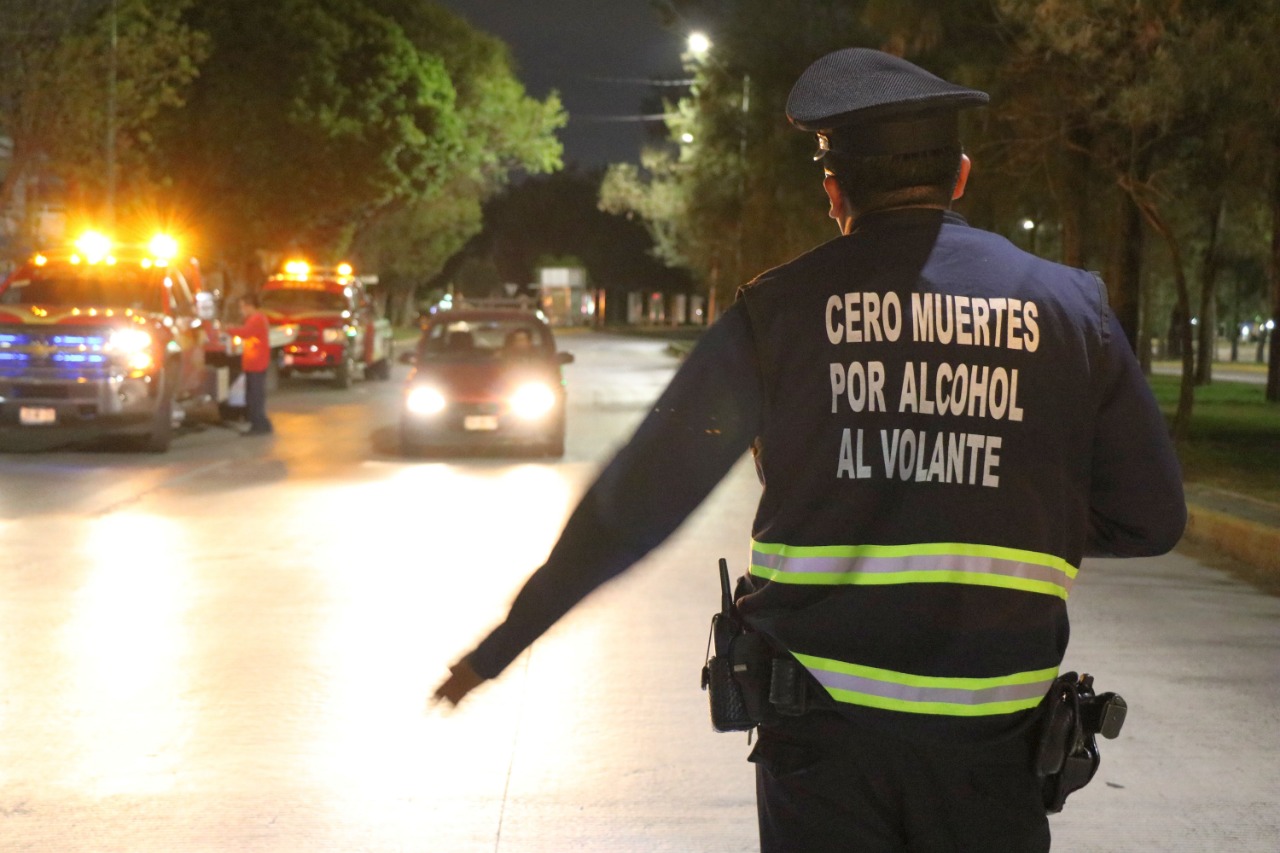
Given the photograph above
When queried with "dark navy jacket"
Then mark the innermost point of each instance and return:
(944, 426)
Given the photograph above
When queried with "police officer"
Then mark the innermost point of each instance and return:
(944, 428)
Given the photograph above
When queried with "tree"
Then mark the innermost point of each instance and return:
(1153, 103)
(68, 95)
(503, 132)
(308, 118)
(740, 193)
(328, 125)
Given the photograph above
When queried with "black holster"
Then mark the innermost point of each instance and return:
(747, 681)
(1068, 757)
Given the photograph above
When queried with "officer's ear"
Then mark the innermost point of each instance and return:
(835, 196)
(962, 178)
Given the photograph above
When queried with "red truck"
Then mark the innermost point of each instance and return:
(338, 329)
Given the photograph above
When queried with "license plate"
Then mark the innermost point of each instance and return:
(37, 415)
(480, 422)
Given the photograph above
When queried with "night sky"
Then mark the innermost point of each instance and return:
(585, 49)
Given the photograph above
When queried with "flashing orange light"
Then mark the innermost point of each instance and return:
(297, 267)
(95, 246)
(39, 260)
(163, 247)
(344, 269)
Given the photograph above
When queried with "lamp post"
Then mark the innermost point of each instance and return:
(699, 48)
(111, 120)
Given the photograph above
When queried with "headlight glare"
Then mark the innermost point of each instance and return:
(424, 400)
(532, 400)
(134, 345)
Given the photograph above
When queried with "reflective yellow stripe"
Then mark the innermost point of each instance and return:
(928, 562)
(872, 687)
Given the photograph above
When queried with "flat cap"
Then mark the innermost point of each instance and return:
(867, 102)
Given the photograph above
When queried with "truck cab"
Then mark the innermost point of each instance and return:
(98, 338)
(338, 330)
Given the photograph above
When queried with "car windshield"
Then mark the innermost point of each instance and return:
(484, 339)
(296, 300)
(112, 287)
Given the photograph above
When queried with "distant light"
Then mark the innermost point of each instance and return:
(686, 137)
(699, 44)
(1028, 225)
(344, 269)
(1271, 324)
(297, 268)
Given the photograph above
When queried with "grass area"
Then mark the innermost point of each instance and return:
(1234, 442)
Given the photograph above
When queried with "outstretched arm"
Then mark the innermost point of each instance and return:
(700, 426)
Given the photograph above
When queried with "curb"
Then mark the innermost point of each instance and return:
(1251, 542)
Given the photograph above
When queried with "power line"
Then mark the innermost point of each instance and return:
(642, 81)
(647, 117)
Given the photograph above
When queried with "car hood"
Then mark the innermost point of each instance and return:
(78, 315)
(483, 380)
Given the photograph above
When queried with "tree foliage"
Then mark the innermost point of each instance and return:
(322, 126)
(314, 121)
(503, 132)
(66, 82)
(1118, 129)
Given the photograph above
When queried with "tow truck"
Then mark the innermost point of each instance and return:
(338, 328)
(104, 339)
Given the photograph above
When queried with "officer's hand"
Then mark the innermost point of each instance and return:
(461, 681)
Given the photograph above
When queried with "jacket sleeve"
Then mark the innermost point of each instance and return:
(1136, 502)
(700, 426)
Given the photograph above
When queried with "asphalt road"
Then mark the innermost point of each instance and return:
(229, 648)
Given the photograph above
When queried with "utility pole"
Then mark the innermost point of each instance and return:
(111, 121)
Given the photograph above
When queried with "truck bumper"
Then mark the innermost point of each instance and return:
(304, 357)
(32, 410)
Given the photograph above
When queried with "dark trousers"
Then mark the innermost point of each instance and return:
(255, 401)
(825, 785)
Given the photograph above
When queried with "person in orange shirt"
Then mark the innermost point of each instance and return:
(254, 361)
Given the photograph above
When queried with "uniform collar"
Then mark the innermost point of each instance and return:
(905, 217)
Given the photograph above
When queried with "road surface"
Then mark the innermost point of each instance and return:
(229, 648)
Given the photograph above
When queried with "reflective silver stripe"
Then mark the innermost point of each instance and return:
(881, 688)
(941, 562)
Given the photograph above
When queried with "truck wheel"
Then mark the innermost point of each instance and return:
(346, 372)
(381, 370)
(157, 441)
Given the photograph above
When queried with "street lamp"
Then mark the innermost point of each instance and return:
(699, 44)
(1032, 229)
(699, 47)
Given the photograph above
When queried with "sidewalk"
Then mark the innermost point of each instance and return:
(1241, 527)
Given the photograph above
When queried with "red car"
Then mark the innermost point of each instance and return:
(485, 378)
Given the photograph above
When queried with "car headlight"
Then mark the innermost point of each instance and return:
(424, 400)
(334, 335)
(134, 345)
(532, 400)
